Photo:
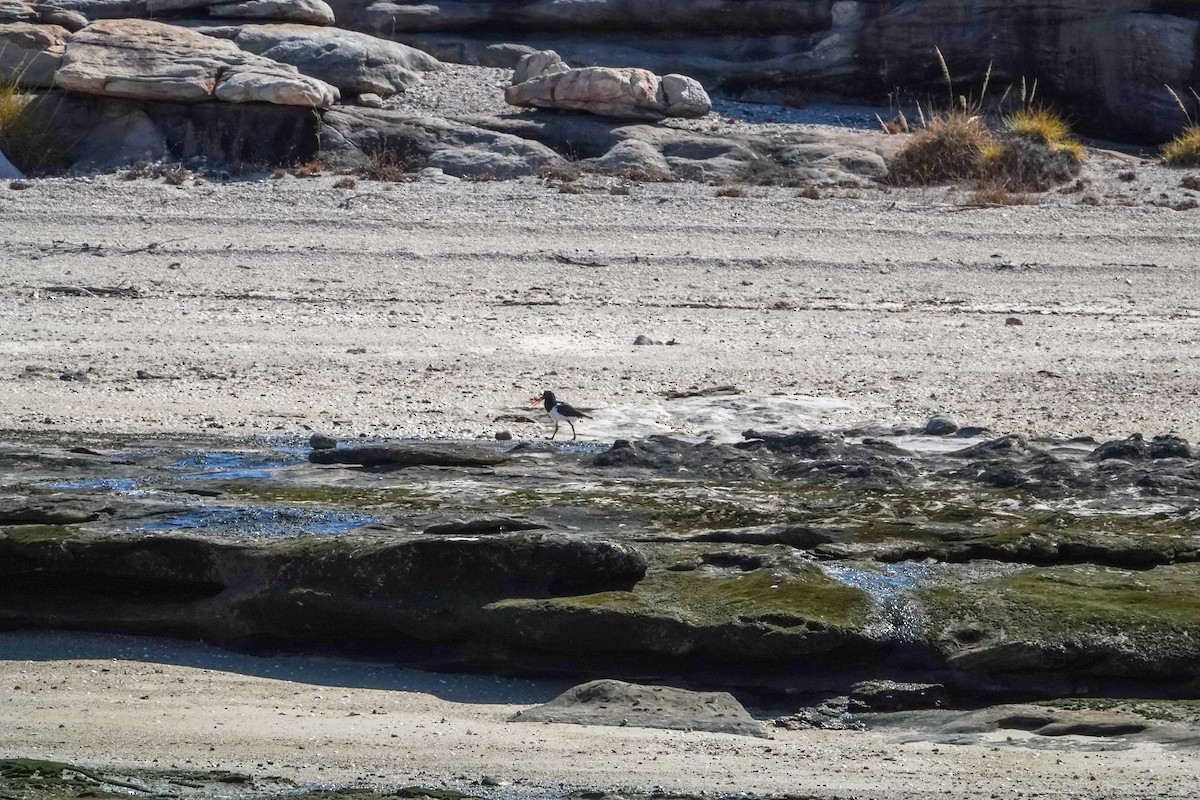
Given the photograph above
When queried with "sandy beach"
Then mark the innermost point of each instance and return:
(119, 703)
(428, 309)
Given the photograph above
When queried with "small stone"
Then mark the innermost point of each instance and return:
(940, 425)
(504, 436)
(643, 339)
(1013, 321)
(370, 100)
(321, 441)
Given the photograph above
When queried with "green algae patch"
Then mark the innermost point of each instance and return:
(36, 773)
(782, 597)
(612, 601)
(781, 594)
(1150, 615)
(38, 534)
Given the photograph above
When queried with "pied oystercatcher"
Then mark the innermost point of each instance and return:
(559, 411)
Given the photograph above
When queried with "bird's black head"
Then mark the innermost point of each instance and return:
(547, 397)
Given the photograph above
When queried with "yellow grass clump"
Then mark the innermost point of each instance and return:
(1046, 128)
(1184, 149)
(25, 136)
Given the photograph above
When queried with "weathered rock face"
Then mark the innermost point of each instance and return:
(655, 152)
(613, 702)
(369, 591)
(1107, 59)
(613, 92)
(308, 12)
(32, 53)
(152, 61)
(21, 11)
(355, 63)
(536, 64)
(358, 136)
(109, 132)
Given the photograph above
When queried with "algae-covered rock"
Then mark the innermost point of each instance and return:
(785, 614)
(1083, 620)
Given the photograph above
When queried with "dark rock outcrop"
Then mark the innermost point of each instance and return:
(358, 136)
(256, 134)
(338, 591)
(399, 456)
(1136, 448)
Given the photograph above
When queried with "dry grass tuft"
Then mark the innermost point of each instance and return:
(809, 193)
(622, 189)
(1175, 205)
(27, 137)
(1191, 182)
(309, 169)
(1184, 149)
(639, 175)
(345, 183)
(948, 148)
(997, 195)
(173, 174)
(732, 191)
(389, 166)
(560, 172)
(1020, 164)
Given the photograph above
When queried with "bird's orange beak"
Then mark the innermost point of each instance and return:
(537, 400)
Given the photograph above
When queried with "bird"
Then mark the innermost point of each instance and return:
(559, 411)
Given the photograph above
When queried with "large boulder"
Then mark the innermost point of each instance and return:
(613, 92)
(17, 11)
(32, 53)
(536, 64)
(102, 9)
(308, 12)
(149, 60)
(355, 63)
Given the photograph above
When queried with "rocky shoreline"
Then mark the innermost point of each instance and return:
(998, 569)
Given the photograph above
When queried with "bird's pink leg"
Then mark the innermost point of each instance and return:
(555, 430)
(572, 424)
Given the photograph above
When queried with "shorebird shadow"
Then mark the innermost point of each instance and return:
(316, 670)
